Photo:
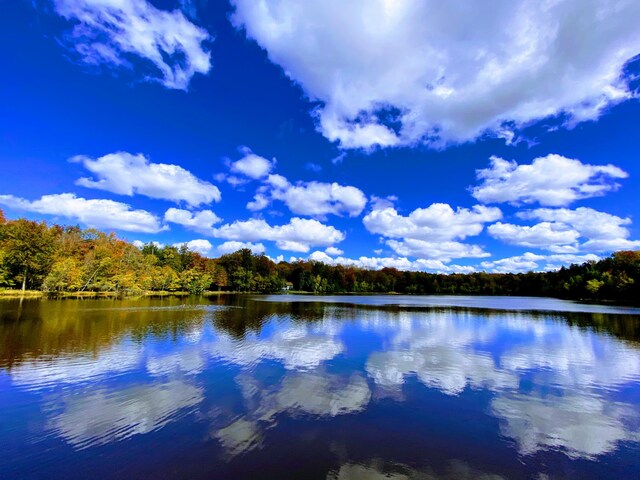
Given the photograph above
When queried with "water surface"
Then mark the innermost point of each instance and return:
(341, 387)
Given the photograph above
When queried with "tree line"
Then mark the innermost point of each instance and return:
(56, 258)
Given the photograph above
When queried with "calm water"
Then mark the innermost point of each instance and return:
(319, 387)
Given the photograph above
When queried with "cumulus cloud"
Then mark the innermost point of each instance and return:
(553, 181)
(127, 174)
(316, 393)
(602, 231)
(544, 235)
(533, 262)
(430, 233)
(296, 347)
(400, 263)
(95, 213)
(198, 245)
(448, 368)
(568, 231)
(98, 417)
(444, 251)
(401, 73)
(109, 361)
(310, 198)
(333, 251)
(252, 165)
(316, 199)
(240, 436)
(234, 246)
(201, 222)
(115, 32)
(581, 415)
(584, 427)
(438, 222)
(299, 235)
(568, 356)
(438, 350)
(583, 424)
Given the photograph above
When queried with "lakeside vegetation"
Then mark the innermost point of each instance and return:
(55, 259)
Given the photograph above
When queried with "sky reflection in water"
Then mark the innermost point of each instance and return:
(235, 386)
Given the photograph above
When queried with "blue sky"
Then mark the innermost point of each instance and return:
(409, 134)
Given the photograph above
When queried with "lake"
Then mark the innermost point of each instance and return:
(310, 387)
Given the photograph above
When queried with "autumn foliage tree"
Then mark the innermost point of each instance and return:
(70, 259)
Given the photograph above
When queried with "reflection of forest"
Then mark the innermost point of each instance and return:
(33, 328)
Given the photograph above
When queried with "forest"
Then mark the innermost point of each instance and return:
(56, 259)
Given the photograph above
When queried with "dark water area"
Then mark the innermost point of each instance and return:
(296, 387)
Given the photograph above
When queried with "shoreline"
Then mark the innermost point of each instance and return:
(40, 295)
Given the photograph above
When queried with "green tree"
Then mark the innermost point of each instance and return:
(66, 274)
(593, 286)
(5, 271)
(29, 248)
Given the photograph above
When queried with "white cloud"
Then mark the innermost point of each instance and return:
(444, 251)
(568, 231)
(95, 213)
(582, 426)
(544, 235)
(438, 222)
(185, 361)
(199, 245)
(259, 202)
(252, 165)
(234, 246)
(296, 347)
(438, 351)
(333, 251)
(442, 73)
(239, 437)
(299, 235)
(127, 174)
(603, 232)
(553, 180)
(100, 417)
(317, 393)
(310, 198)
(201, 222)
(580, 362)
(610, 245)
(429, 233)
(400, 263)
(448, 368)
(569, 356)
(139, 244)
(534, 262)
(581, 415)
(114, 32)
(302, 198)
(321, 257)
(108, 361)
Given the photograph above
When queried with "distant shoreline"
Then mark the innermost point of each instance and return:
(42, 295)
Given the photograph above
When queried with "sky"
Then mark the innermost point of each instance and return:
(446, 137)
